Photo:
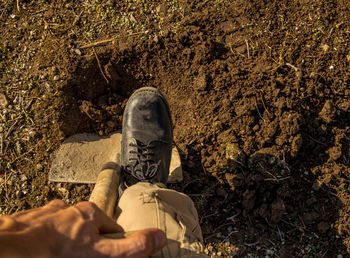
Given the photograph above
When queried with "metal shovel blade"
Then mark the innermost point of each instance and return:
(81, 157)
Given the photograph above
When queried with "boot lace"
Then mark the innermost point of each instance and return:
(145, 166)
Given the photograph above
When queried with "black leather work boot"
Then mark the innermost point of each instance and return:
(147, 138)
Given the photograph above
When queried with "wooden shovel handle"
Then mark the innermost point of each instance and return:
(105, 193)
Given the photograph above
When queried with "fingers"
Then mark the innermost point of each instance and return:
(103, 223)
(141, 244)
(59, 204)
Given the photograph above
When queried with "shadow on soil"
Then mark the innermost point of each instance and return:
(94, 101)
(259, 204)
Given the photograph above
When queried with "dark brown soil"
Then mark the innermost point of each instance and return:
(259, 93)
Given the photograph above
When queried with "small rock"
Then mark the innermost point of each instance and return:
(132, 18)
(47, 86)
(23, 177)
(77, 51)
(269, 252)
(325, 47)
(39, 166)
(3, 101)
(328, 112)
(56, 78)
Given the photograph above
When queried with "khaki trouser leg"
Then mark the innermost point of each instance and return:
(146, 205)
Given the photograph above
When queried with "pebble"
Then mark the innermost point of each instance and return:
(325, 47)
(23, 177)
(47, 86)
(56, 78)
(3, 101)
(77, 51)
(269, 252)
(39, 166)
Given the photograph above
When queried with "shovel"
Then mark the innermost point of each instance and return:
(82, 158)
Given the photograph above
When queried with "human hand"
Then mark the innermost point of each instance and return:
(57, 230)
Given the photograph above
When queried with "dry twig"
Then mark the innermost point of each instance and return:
(302, 222)
(257, 108)
(99, 65)
(246, 42)
(102, 42)
(236, 52)
(262, 100)
(317, 141)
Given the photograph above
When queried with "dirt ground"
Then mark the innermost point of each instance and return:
(260, 97)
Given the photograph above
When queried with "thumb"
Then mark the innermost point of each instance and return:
(142, 243)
